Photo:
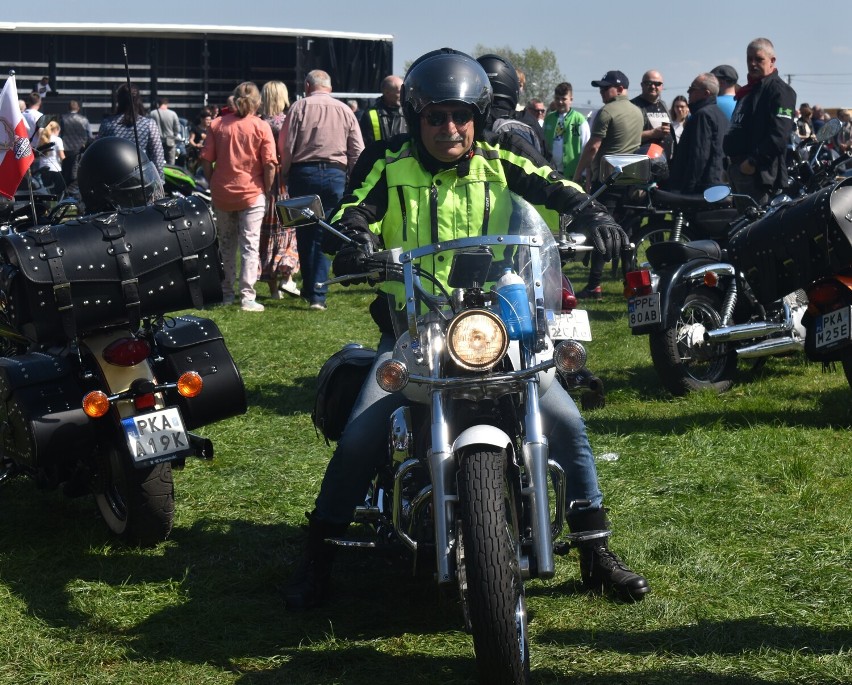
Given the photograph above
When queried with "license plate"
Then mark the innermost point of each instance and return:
(573, 325)
(833, 329)
(156, 436)
(643, 310)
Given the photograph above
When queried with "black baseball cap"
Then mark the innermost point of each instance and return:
(725, 72)
(612, 78)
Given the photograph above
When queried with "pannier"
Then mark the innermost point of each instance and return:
(196, 344)
(338, 384)
(110, 269)
(36, 419)
(797, 244)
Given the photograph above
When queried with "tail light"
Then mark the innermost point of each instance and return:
(145, 402)
(638, 283)
(126, 352)
(569, 300)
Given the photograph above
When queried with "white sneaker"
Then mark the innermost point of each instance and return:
(290, 288)
(252, 306)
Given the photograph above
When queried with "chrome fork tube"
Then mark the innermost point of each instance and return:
(535, 451)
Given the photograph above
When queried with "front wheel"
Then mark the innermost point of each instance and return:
(137, 504)
(494, 585)
(683, 360)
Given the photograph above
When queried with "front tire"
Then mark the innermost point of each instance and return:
(137, 504)
(494, 585)
(684, 362)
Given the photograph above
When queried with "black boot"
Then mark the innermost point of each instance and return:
(599, 566)
(308, 585)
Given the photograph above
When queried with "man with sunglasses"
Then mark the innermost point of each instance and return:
(447, 179)
(657, 126)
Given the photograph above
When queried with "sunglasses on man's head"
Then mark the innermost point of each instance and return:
(460, 117)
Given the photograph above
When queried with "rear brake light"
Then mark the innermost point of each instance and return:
(126, 352)
(824, 294)
(638, 283)
(569, 300)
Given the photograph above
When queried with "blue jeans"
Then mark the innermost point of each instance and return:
(362, 448)
(330, 185)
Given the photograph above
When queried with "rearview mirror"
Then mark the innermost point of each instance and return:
(716, 194)
(634, 169)
(828, 130)
(305, 209)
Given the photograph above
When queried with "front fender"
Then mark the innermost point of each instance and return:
(674, 287)
(482, 434)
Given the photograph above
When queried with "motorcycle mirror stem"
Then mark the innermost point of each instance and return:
(569, 218)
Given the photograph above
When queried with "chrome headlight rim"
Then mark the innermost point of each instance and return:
(501, 337)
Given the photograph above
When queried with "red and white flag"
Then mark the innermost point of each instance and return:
(16, 153)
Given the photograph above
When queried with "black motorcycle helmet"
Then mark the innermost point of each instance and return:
(445, 75)
(109, 177)
(504, 81)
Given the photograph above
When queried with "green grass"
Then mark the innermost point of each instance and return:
(736, 507)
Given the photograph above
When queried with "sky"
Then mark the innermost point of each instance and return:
(680, 40)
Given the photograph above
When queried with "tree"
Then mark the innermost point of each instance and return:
(539, 66)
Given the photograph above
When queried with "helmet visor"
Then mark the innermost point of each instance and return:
(135, 189)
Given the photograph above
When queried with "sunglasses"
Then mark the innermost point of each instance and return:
(652, 83)
(540, 111)
(460, 117)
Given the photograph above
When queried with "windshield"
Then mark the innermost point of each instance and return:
(437, 276)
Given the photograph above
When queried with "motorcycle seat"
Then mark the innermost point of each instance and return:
(670, 200)
(671, 252)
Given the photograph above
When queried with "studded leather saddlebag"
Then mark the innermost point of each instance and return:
(58, 282)
(338, 384)
(797, 244)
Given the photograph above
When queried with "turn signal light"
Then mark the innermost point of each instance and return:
(570, 356)
(96, 404)
(392, 376)
(126, 352)
(711, 279)
(189, 384)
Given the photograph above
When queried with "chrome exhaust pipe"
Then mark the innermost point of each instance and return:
(766, 348)
(745, 331)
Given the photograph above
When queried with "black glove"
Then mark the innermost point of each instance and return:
(607, 236)
(353, 258)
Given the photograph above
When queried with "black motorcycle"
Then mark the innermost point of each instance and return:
(101, 387)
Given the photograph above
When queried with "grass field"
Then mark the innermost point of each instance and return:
(738, 509)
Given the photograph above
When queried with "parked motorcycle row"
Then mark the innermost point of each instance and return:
(710, 292)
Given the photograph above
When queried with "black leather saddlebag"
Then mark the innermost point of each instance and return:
(797, 244)
(196, 344)
(338, 384)
(110, 269)
(42, 422)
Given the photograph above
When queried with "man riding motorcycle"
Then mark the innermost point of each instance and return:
(447, 179)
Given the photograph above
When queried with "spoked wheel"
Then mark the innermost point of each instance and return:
(683, 360)
(137, 504)
(491, 571)
(655, 232)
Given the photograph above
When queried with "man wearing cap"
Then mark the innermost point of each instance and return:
(727, 77)
(617, 129)
(756, 143)
(657, 127)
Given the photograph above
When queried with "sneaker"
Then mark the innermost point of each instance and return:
(290, 288)
(318, 306)
(252, 306)
(590, 294)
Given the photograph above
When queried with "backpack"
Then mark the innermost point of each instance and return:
(339, 381)
(519, 128)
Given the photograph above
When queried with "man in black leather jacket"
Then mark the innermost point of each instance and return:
(756, 143)
(698, 162)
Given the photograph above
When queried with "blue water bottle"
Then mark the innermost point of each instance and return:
(514, 305)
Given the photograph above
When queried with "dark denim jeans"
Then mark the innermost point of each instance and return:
(330, 185)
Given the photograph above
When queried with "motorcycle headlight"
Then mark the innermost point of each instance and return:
(477, 339)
